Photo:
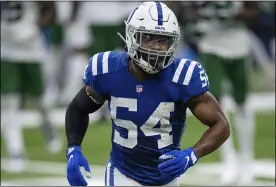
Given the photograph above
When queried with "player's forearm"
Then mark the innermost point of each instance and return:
(77, 117)
(47, 14)
(76, 9)
(76, 123)
(249, 12)
(212, 139)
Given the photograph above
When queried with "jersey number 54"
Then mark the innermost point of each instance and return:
(161, 113)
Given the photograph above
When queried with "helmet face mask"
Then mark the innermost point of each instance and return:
(150, 46)
(155, 49)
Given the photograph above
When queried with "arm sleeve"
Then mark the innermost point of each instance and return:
(197, 85)
(76, 118)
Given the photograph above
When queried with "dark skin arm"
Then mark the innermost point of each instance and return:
(207, 110)
(76, 5)
(76, 9)
(250, 12)
(47, 13)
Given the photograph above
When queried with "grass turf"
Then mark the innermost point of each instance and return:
(97, 142)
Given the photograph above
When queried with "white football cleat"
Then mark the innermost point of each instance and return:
(230, 174)
(246, 174)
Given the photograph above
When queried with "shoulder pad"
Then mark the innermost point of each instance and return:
(184, 71)
(191, 76)
(105, 62)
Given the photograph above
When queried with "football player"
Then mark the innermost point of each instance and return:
(148, 93)
(22, 56)
(76, 43)
(224, 50)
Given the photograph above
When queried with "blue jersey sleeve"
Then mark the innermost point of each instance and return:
(98, 69)
(90, 77)
(195, 82)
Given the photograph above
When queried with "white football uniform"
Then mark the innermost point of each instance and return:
(76, 32)
(20, 36)
(113, 177)
(221, 38)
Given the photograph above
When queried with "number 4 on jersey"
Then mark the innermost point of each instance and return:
(161, 113)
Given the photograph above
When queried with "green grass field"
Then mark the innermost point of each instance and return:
(97, 144)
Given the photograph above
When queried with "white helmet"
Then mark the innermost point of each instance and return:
(152, 35)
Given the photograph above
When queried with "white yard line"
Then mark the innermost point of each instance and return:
(49, 181)
(54, 168)
(258, 102)
(212, 180)
(61, 181)
(8, 183)
(208, 173)
(261, 168)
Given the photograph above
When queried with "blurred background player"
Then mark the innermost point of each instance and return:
(224, 50)
(217, 34)
(262, 37)
(83, 30)
(76, 44)
(23, 64)
(74, 36)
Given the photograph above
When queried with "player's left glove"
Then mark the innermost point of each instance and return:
(177, 162)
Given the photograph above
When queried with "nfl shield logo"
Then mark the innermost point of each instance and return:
(139, 88)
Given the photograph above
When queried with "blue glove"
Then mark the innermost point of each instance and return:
(177, 162)
(75, 160)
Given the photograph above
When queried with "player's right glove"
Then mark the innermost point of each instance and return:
(76, 160)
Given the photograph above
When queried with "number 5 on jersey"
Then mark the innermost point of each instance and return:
(203, 77)
(161, 113)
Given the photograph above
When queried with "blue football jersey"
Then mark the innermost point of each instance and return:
(148, 117)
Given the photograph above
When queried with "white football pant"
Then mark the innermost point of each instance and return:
(113, 177)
